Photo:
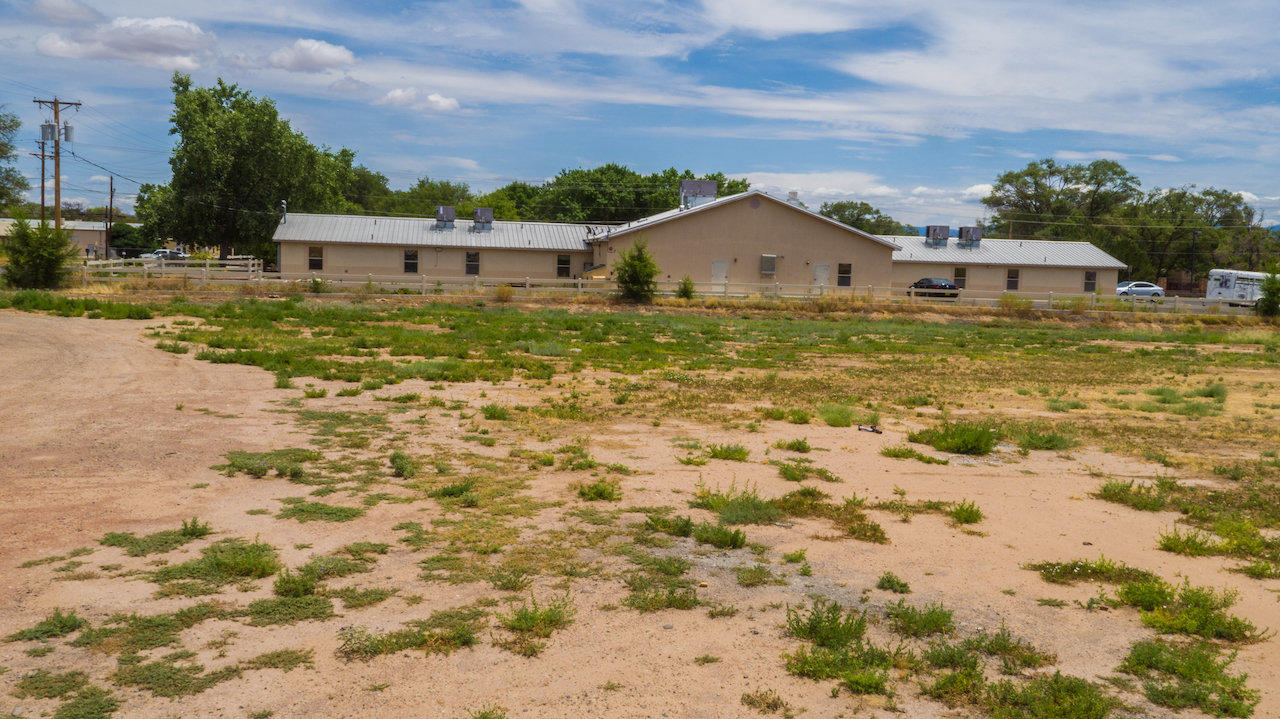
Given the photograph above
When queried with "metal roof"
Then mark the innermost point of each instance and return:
(70, 224)
(1025, 253)
(683, 212)
(426, 232)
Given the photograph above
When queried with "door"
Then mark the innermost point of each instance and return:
(821, 274)
(719, 275)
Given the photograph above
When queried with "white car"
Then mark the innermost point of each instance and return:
(1140, 289)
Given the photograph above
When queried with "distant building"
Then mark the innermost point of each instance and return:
(90, 237)
(750, 242)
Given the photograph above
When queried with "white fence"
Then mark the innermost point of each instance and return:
(250, 271)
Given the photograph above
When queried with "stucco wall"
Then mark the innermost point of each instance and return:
(445, 262)
(991, 278)
(740, 232)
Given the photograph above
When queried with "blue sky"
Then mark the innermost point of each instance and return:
(912, 106)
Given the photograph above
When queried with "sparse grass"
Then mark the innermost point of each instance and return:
(600, 490)
(223, 562)
(403, 464)
(158, 542)
(798, 416)
(288, 610)
(841, 416)
(800, 469)
(315, 392)
(705, 659)
(288, 584)
(919, 622)
(754, 576)
(891, 583)
(965, 512)
(538, 620)
(970, 438)
(177, 348)
(90, 703)
(902, 451)
(1142, 497)
(766, 701)
(283, 659)
(737, 507)
(1090, 570)
(794, 445)
(55, 625)
(354, 598)
(719, 536)
(305, 511)
(1041, 436)
(794, 557)
(496, 412)
(826, 624)
(730, 451)
(361, 644)
(44, 684)
(1190, 675)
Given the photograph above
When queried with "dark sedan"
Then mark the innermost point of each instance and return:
(933, 287)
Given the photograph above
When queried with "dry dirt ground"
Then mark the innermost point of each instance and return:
(103, 432)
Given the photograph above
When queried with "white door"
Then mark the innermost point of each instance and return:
(822, 275)
(719, 275)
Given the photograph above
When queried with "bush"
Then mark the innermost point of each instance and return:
(37, 256)
(288, 584)
(635, 272)
(503, 293)
(685, 290)
(1269, 302)
(958, 438)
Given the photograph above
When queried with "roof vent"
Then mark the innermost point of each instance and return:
(445, 215)
(970, 237)
(793, 198)
(483, 219)
(697, 192)
(936, 235)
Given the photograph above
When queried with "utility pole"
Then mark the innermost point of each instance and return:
(1195, 235)
(59, 133)
(111, 208)
(43, 156)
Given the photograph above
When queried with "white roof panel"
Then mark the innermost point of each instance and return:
(990, 251)
(426, 232)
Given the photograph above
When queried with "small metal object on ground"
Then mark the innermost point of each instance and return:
(872, 428)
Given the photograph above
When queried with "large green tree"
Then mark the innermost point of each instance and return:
(864, 217)
(12, 183)
(38, 257)
(1059, 201)
(235, 163)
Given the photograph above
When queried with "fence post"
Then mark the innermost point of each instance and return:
(84, 274)
(1050, 299)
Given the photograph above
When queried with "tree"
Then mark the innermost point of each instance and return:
(125, 236)
(1053, 201)
(635, 272)
(12, 183)
(685, 290)
(1269, 302)
(234, 164)
(863, 216)
(37, 257)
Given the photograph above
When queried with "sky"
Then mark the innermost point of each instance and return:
(912, 105)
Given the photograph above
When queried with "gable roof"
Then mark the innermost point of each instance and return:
(426, 232)
(678, 213)
(1025, 253)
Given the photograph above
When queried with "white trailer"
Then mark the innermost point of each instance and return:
(1235, 286)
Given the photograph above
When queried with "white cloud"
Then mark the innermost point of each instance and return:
(162, 42)
(307, 55)
(99, 178)
(919, 205)
(1088, 156)
(65, 12)
(414, 98)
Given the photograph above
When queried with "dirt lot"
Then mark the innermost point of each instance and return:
(106, 433)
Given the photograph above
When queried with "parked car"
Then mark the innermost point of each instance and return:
(933, 287)
(1140, 289)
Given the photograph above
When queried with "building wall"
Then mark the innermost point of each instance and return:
(738, 233)
(991, 278)
(356, 260)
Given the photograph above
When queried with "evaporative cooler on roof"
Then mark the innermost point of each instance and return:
(936, 235)
(445, 215)
(483, 219)
(697, 192)
(970, 237)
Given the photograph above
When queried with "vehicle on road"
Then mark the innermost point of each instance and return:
(1140, 289)
(1237, 287)
(933, 287)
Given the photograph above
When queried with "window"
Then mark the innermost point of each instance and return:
(564, 266)
(1011, 281)
(961, 274)
(411, 262)
(1090, 281)
(473, 263)
(844, 274)
(315, 259)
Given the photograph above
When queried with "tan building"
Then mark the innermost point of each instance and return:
(746, 243)
(751, 238)
(89, 237)
(357, 245)
(993, 266)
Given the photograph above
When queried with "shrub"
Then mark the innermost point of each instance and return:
(902, 451)
(965, 512)
(503, 293)
(826, 624)
(288, 584)
(958, 438)
(1190, 675)
(1269, 302)
(719, 536)
(403, 465)
(54, 625)
(37, 257)
(635, 272)
(733, 452)
(600, 490)
(912, 622)
(794, 445)
(890, 582)
(685, 290)
(495, 411)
